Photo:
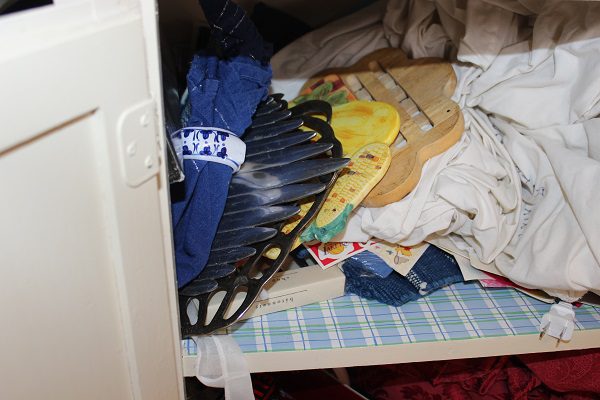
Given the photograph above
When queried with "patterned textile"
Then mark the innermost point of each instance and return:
(456, 312)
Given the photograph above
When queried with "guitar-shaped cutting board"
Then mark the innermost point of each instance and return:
(420, 90)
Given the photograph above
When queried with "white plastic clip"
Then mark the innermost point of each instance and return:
(559, 322)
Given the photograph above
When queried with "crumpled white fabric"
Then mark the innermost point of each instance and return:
(335, 45)
(518, 189)
(468, 191)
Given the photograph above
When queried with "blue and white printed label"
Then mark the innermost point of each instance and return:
(210, 144)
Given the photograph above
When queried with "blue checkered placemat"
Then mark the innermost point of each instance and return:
(459, 311)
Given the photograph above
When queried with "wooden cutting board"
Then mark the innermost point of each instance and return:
(420, 90)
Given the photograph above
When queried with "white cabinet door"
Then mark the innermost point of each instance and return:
(87, 292)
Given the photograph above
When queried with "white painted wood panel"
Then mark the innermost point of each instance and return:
(86, 274)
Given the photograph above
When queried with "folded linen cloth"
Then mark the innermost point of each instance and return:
(223, 94)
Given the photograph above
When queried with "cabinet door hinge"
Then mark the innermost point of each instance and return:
(137, 133)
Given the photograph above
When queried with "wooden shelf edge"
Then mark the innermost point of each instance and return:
(405, 353)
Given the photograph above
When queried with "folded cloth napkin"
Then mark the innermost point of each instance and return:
(224, 94)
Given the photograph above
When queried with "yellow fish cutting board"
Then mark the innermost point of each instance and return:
(420, 90)
(359, 123)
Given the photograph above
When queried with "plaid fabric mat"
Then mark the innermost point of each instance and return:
(459, 311)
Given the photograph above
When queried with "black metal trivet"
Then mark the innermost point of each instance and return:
(283, 167)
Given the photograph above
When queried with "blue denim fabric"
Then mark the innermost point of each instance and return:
(435, 269)
(373, 263)
(394, 290)
(222, 94)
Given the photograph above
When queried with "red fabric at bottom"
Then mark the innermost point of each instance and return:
(536, 376)
(567, 371)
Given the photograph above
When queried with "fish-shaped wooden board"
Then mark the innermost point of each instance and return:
(359, 123)
(420, 90)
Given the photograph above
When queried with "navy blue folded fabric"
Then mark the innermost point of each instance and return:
(435, 269)
(233, 33)
(225, 93)
(225, 85)
(221, 94)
